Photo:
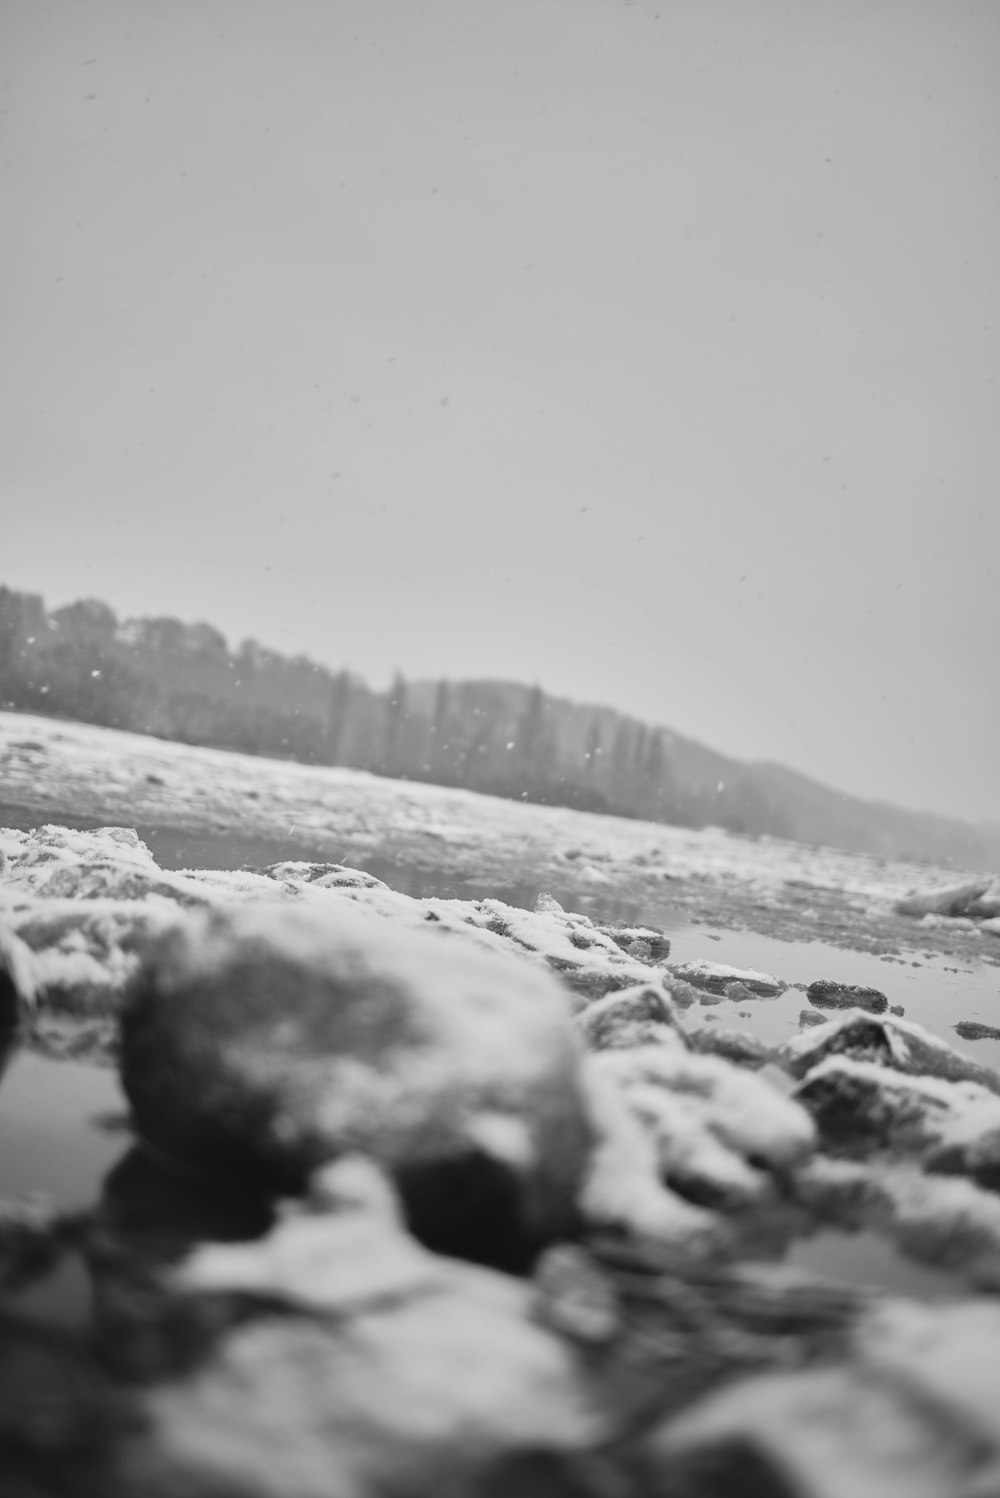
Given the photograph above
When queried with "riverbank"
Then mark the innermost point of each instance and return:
(200, 807)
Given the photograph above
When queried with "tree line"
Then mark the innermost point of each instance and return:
(182, 681)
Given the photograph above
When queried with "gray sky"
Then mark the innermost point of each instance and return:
(645, 350)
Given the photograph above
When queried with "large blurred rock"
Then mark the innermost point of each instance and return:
(361, 1365)
(271, 1039)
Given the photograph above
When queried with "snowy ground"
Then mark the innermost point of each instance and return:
(436, 840)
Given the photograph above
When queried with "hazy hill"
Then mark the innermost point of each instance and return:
(696, 785)
(183, 681)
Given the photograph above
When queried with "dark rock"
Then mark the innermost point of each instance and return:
(897, 1009)
(826, 994)
(972, 1029)
(808, 1018)
(271, 1039)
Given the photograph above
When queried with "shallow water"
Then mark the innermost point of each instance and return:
(60, 1128)
(866, 1259)
(934, 991)
(60, 1133)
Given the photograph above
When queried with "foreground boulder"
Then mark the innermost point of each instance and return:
(271, 1039)
(336, 1356)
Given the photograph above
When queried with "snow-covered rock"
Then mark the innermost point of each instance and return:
(734, 1045)
(717, 977)
(954, 1127)
(956, 901)
(718, 1130)
(274, 1037)
(642, 1015)
(897, 1043)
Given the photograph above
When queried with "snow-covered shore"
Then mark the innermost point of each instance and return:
(54, 771)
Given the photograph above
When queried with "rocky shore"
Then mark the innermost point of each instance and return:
(452, 1196)
(189, 800)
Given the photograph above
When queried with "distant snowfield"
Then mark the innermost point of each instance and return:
(52, 770)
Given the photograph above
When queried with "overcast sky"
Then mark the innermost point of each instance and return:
(648, 351)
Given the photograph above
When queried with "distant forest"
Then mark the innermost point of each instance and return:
(182, 681)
